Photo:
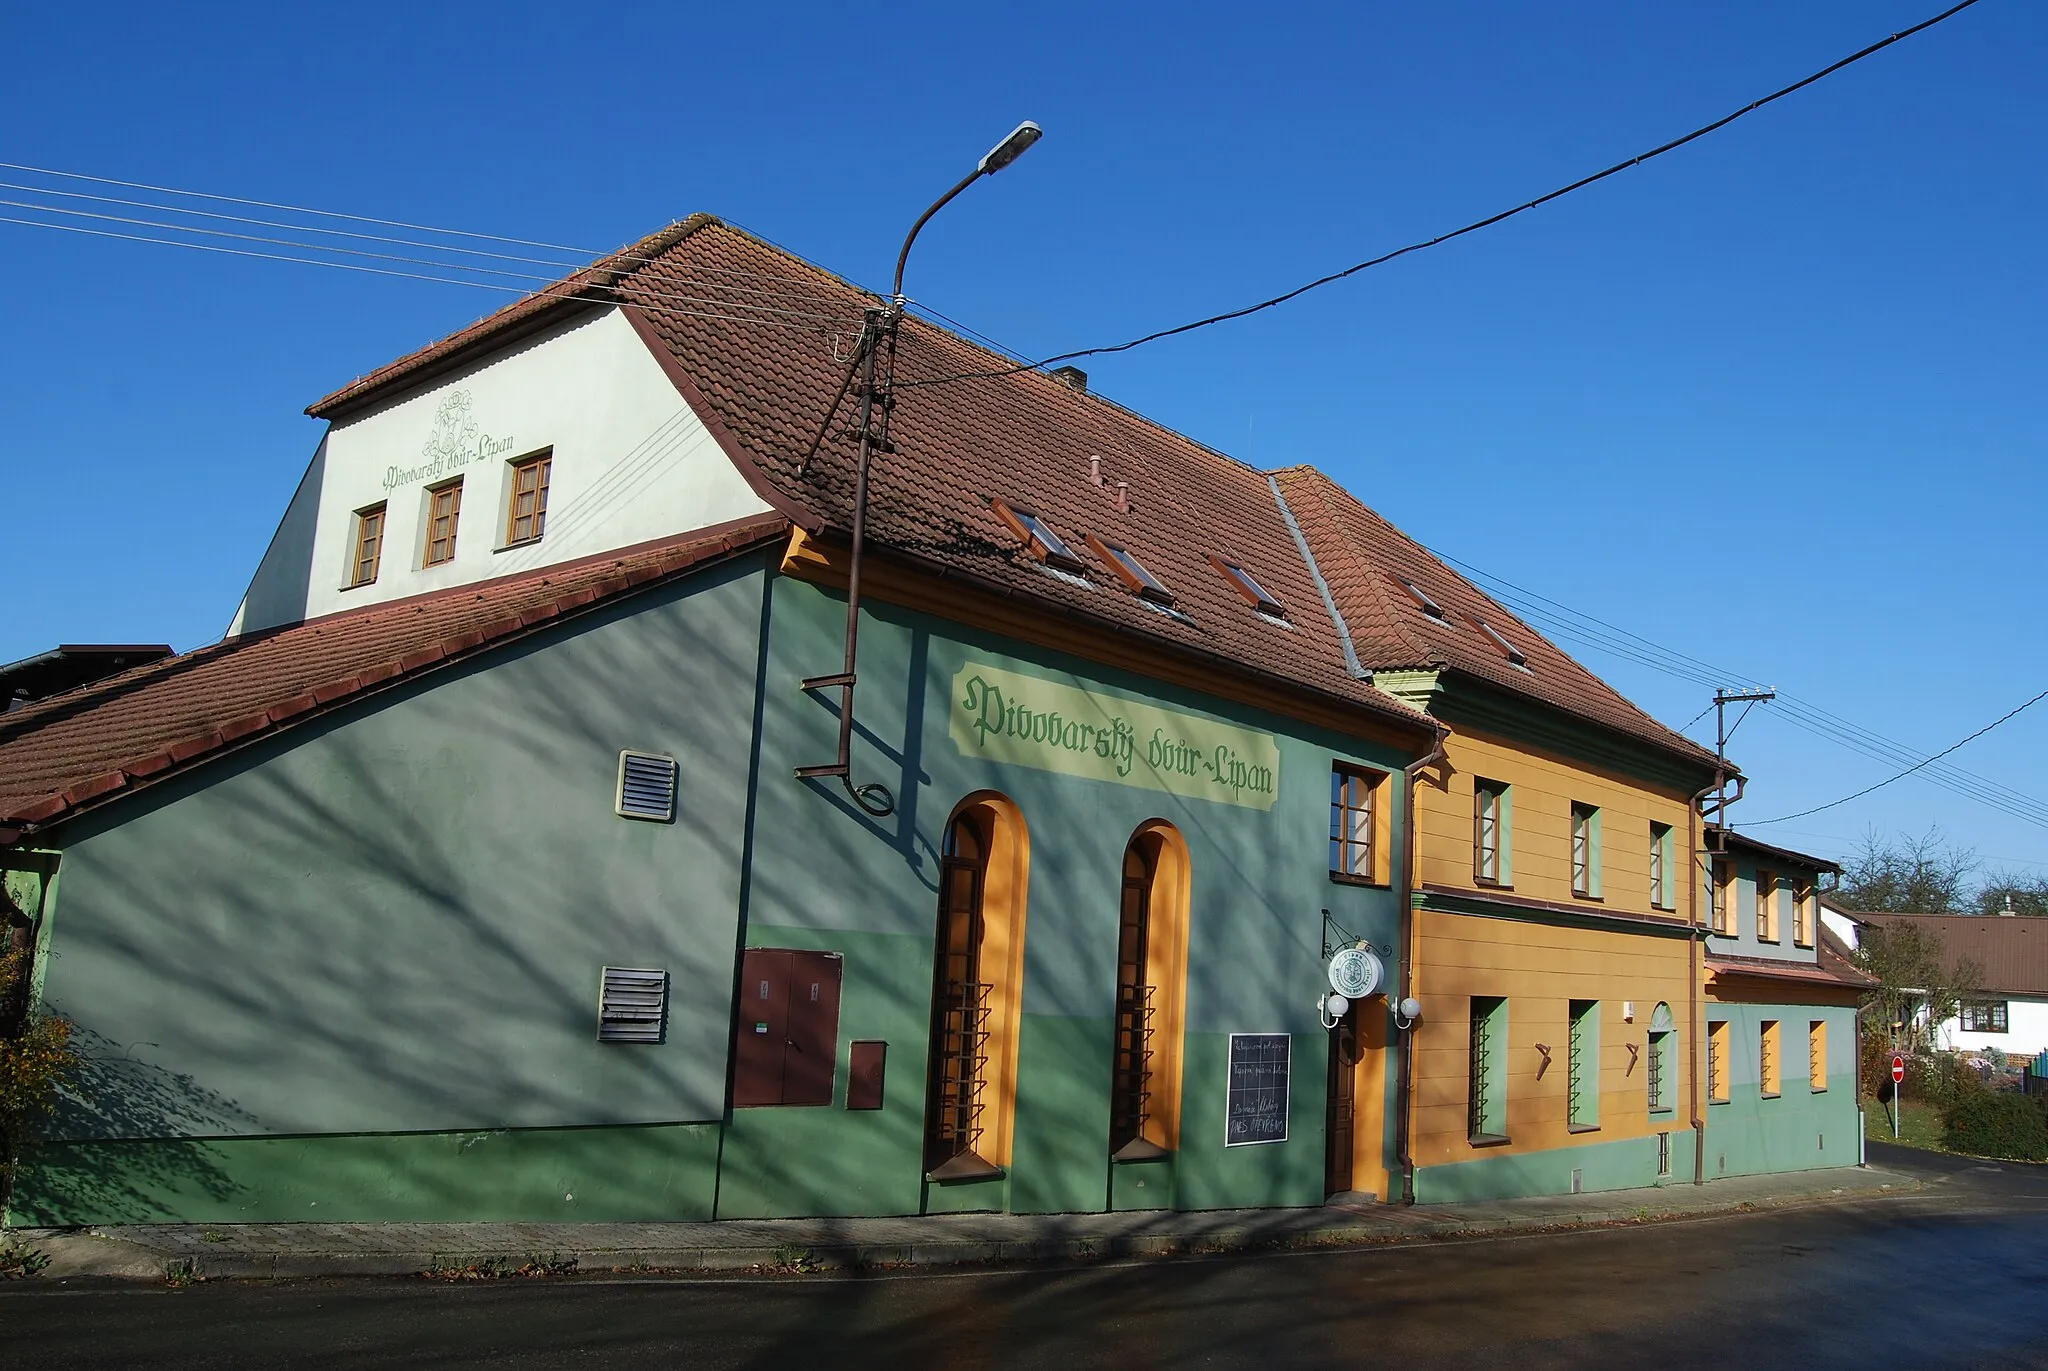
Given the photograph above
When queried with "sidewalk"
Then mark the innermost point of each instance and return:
(269, 1251)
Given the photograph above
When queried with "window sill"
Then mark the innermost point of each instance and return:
(1771, 1094)
(356, 585)
(1590, 899)
(514, 547)
(1484, 884)
(1487, 1139)
(1816, 1090)
(1722, 1100)
(1582, 1128)
(1346, 878)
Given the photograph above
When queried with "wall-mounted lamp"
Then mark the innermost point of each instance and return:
(1407, 1014)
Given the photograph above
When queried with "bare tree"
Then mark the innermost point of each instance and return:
(2028, 895)
(1904, 874)
(1914, 972)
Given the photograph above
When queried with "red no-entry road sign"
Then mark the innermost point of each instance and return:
(1899, 1070)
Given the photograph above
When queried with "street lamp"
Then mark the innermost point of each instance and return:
(878, 337)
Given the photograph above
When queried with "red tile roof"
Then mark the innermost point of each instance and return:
(757, 338)
(60, 754)
(1825, 971)
(1365, 559)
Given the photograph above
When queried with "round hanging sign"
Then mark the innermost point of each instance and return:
(1355, 972)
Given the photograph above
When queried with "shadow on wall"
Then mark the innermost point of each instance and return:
(393, 919)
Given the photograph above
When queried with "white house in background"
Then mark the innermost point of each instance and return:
(2009, 1012)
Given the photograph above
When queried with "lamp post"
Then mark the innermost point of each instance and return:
(877, 347)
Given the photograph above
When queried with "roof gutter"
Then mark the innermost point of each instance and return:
(1351, 663)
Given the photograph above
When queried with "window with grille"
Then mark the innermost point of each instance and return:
(1131, 1050)
(1768, 1061)
(647, 786)
(1490, 832)
(957, 1069)
(368, 548)
(1658, 1076)
(1582, 1065)
(1586, 851)
(526, 514)
(444, 509)
(1985, 1016)
(1487, 1118)
(1663, 1154)
(1767, 906)
(632, 1005)
(1353, 797)
(1817, 1054)
(1717, 1062)
(1660, 866)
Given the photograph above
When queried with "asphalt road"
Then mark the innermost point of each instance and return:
(1956, 1276)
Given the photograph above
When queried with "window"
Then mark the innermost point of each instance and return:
(1720, 885)
(368, 548)
(1660, 866)
(786, 1029)
(1766, 906)
(1151, 983)
(1249, 587)
(1817, 1054)
(1582, 1066)
(1487, 1120)
(1802, 912)
(1768, 1061)
(527, 517)
(1353, 817)
(1417, 594)
(1658, 1075)
(1038, 537)
(1985, 1016)
(1717, 1062)
(1663, 1154)
(1131, 571)
(444, 508)
(1514, 654)
(1586, 851)
(1490, 832)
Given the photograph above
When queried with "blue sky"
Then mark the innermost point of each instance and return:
(1773, 401)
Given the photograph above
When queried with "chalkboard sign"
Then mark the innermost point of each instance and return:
(1256, 1111)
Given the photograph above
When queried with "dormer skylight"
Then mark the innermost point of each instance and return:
(1248, 586)
(1515, 655)
(1131, 571)
(1421, 597)
(1038, 536)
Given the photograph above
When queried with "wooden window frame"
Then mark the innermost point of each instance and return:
(544, 463)
(433, 495)
(1995, 1013)
(1767, 930)
(1585, 833)
(1125, 566)
(1039, 537)
(1500, 875)
(1247, 585)
(1661, 894)
(1374, 783)
(381, 512)
(1720, 895)
(1803, 904)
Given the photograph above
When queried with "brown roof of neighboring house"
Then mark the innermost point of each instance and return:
(757, 340)
(63, 753)
(1365, 560)
(2011, 952)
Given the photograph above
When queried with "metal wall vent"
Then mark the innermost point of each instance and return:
(632, 1005)
(647, 786)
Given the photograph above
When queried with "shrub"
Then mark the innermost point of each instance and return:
(1986, 1123)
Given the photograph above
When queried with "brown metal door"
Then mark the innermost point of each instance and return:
(761, 1030)
(1343, 1092)
(813, 1035)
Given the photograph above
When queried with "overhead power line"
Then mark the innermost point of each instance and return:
(1785, 818)
(1475, 226)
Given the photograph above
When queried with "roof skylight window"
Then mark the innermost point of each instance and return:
(1038, 536)
(1421, 597)
(1131, 571)
(1515, 655)
(1249, 587)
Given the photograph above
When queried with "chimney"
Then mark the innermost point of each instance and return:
(1073, 378)
(2007, 912)
(1095, 471)
(1123, 505)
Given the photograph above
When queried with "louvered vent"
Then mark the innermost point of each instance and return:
(647, 786)
(633, 1005)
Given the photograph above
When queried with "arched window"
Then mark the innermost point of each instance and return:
(1151, 995)
(1661, 1082)
(977, 973)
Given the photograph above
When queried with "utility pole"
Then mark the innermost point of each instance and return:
(1722, 799)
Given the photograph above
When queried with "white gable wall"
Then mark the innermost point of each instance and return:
(631, 463)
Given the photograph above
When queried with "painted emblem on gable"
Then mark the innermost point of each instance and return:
(455, 441)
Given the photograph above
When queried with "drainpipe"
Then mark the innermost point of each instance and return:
(1404, 1062)
(1697, 1029)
